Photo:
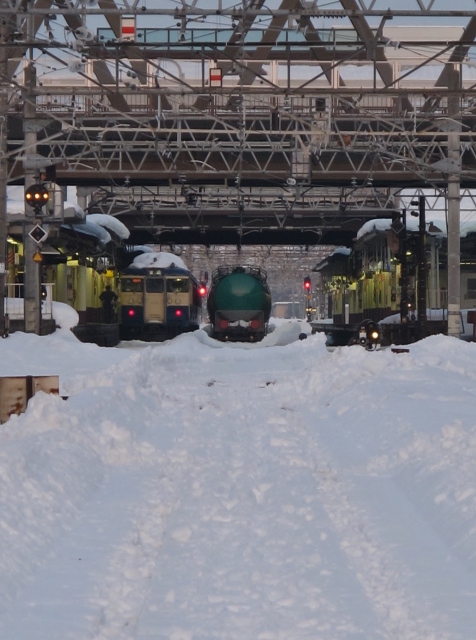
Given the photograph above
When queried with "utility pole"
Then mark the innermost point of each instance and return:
(421, 286)
(454, 172)
(3, 176)
(308, 291)
(32, 267)
(403, 279)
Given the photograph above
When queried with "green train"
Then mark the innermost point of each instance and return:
(239, 304)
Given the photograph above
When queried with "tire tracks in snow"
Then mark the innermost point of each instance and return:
(381, 576)
(123, 593)
(240, 558)
(119, 597)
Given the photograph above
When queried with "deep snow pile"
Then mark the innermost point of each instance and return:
(193, 490)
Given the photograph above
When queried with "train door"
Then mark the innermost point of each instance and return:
(154, 304)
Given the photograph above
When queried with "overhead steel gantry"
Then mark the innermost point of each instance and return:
(276, 122)
(262, 122)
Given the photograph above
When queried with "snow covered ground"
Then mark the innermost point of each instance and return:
(193, 490)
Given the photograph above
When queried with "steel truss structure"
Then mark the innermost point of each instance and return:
(255, 123)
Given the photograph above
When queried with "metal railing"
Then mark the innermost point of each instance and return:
(14, 303)
(180, 38)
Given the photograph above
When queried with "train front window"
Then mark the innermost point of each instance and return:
(154, 285)
(131, 285)
(178, 285)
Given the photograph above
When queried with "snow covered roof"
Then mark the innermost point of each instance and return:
(346, 251)
(133, 248)
(438, 226)
(160, 259)
(334, 258)
(91, 229)
(72, 211)
(110, 223)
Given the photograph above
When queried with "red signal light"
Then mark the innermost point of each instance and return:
(202, 290)
(307, 283)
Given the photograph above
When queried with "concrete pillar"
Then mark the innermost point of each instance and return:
(82, 194)
(3, 175)
(81, 294)
(454, 163)
(61, 288)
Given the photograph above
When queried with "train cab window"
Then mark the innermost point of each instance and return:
(154, 285)
(178, 285)
(131, 285)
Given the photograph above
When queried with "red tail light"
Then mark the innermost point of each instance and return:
(223, 324)
(255, 324)
(178, 313)
(131, 313)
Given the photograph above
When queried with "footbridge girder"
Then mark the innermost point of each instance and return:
(275, 98)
